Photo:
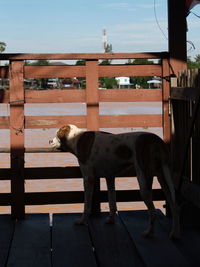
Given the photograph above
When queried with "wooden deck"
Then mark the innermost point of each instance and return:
(37, 242)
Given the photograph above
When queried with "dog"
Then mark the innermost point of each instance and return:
(103, 154)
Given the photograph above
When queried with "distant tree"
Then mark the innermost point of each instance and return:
(80, 62)
(140, 81)
(194, 64)
(108, 83)
(2, 47)
(108, 49)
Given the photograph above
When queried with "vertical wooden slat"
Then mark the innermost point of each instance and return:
(17, 137)
(92, 102)
(166, 94)
(92, 94)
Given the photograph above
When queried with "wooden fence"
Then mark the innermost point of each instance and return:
(185, 98)
(16, 97)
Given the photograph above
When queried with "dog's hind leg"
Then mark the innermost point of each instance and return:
(164, 178)
(88, 193)
(145, 183)
(111, 199)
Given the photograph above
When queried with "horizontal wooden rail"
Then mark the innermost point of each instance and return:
(77, 56)
(79, 96)
(55, 173)
(38, 72)
(73, 197)
(80, 71)
(105, 121)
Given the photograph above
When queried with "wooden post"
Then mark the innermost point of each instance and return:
(92, 102)
(92, 94)
(16, 76)
(166, 103)
(177, 28)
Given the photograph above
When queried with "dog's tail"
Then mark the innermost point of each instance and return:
(168, 180)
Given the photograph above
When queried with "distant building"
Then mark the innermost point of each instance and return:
(154, 83)
(124, 83)
(71, 83)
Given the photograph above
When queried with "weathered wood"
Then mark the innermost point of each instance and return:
(6, 234)
(54, 71)
(152, 251)
(184, 93)
(31, 242)
(130, 95)
(68, 197)
(79, 96)
(80, 71)
(129, 70)
(71, 244)
(112, 244)
(77, 56)
(17, 137)
(92, 95)
(177, 28)
(4, 122)
(5, 199)
(121, 121)
(55, 96)
(35, 122)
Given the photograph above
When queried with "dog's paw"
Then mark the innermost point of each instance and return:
(110, 220)
(81, 221)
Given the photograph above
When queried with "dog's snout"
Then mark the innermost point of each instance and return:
(50, 141)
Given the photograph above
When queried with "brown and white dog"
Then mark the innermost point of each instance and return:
(102, 154)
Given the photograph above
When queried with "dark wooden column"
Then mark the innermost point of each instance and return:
(16, 76)
(177, 28)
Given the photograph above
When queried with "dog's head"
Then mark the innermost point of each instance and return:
(63, 137)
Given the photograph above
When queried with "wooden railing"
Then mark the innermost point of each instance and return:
(185, 141)
(16, 97)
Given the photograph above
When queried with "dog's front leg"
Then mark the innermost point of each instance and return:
(111, 199)
(88, 193)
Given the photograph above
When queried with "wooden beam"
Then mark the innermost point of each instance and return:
(177, 28)
(127, 95)
(80, 71)
(17, 137)
(77, 56)
(92, 95)
(55, 96)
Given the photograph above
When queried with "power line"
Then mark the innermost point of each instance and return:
(157, 22)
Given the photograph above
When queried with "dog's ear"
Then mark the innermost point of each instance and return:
(63, 132)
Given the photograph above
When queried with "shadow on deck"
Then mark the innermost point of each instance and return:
(33, 242)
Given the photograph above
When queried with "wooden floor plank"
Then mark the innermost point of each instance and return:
(189, 242)
(71, 243)
(113, 246)
(158, 251)
(31, 242)
(6, 233)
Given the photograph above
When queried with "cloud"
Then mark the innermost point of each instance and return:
(119, 6)
(148, 6)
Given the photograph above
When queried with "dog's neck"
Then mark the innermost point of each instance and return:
(73, 137)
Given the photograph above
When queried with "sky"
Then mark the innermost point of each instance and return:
(63, 26)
